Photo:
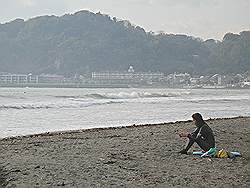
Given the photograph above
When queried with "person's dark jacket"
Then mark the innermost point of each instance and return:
(205, 133)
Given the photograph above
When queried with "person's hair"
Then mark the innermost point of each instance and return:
(198, 119)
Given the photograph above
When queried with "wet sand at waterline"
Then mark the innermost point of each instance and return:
(135, 156)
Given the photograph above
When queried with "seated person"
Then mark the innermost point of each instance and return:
(203, 135)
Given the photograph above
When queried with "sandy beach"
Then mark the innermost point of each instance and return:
(135, 156)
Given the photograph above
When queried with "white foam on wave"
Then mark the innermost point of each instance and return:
(88, 100)
(55, 105)
(134, 95)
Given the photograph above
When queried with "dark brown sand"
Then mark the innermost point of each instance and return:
(136, 156)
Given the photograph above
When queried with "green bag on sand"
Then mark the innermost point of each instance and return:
(210, 153)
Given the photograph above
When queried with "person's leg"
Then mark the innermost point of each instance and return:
(203, 144)
(189, 145)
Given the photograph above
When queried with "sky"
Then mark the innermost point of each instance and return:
(200, 18)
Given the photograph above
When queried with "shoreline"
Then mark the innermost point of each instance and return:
(54, 133)
(131, 156)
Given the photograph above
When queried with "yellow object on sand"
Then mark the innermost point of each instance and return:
(222, 154)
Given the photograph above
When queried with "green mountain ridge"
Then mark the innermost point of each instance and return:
(84, 41)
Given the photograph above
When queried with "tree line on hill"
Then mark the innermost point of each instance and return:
(84, 42)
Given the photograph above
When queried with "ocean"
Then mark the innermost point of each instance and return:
(25, 111)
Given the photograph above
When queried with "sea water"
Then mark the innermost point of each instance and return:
(25, 111)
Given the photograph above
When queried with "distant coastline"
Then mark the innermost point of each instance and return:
(67, 85)
(42, 85)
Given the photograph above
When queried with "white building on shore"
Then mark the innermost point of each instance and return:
(129, 75)
(29, 79)
(18, 79)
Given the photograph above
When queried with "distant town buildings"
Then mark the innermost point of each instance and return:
(129, 78)
(32, 79)
(18, 79)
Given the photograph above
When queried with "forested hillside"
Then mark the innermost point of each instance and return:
(85, 42)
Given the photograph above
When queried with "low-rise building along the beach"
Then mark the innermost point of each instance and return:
(129, 75)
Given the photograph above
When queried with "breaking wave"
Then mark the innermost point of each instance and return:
(87, 100)
(55, 105)
(23, 106)
(134, 95)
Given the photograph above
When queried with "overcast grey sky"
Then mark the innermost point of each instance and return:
(200, 18)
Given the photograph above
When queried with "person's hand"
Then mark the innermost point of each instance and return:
(183, 134)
